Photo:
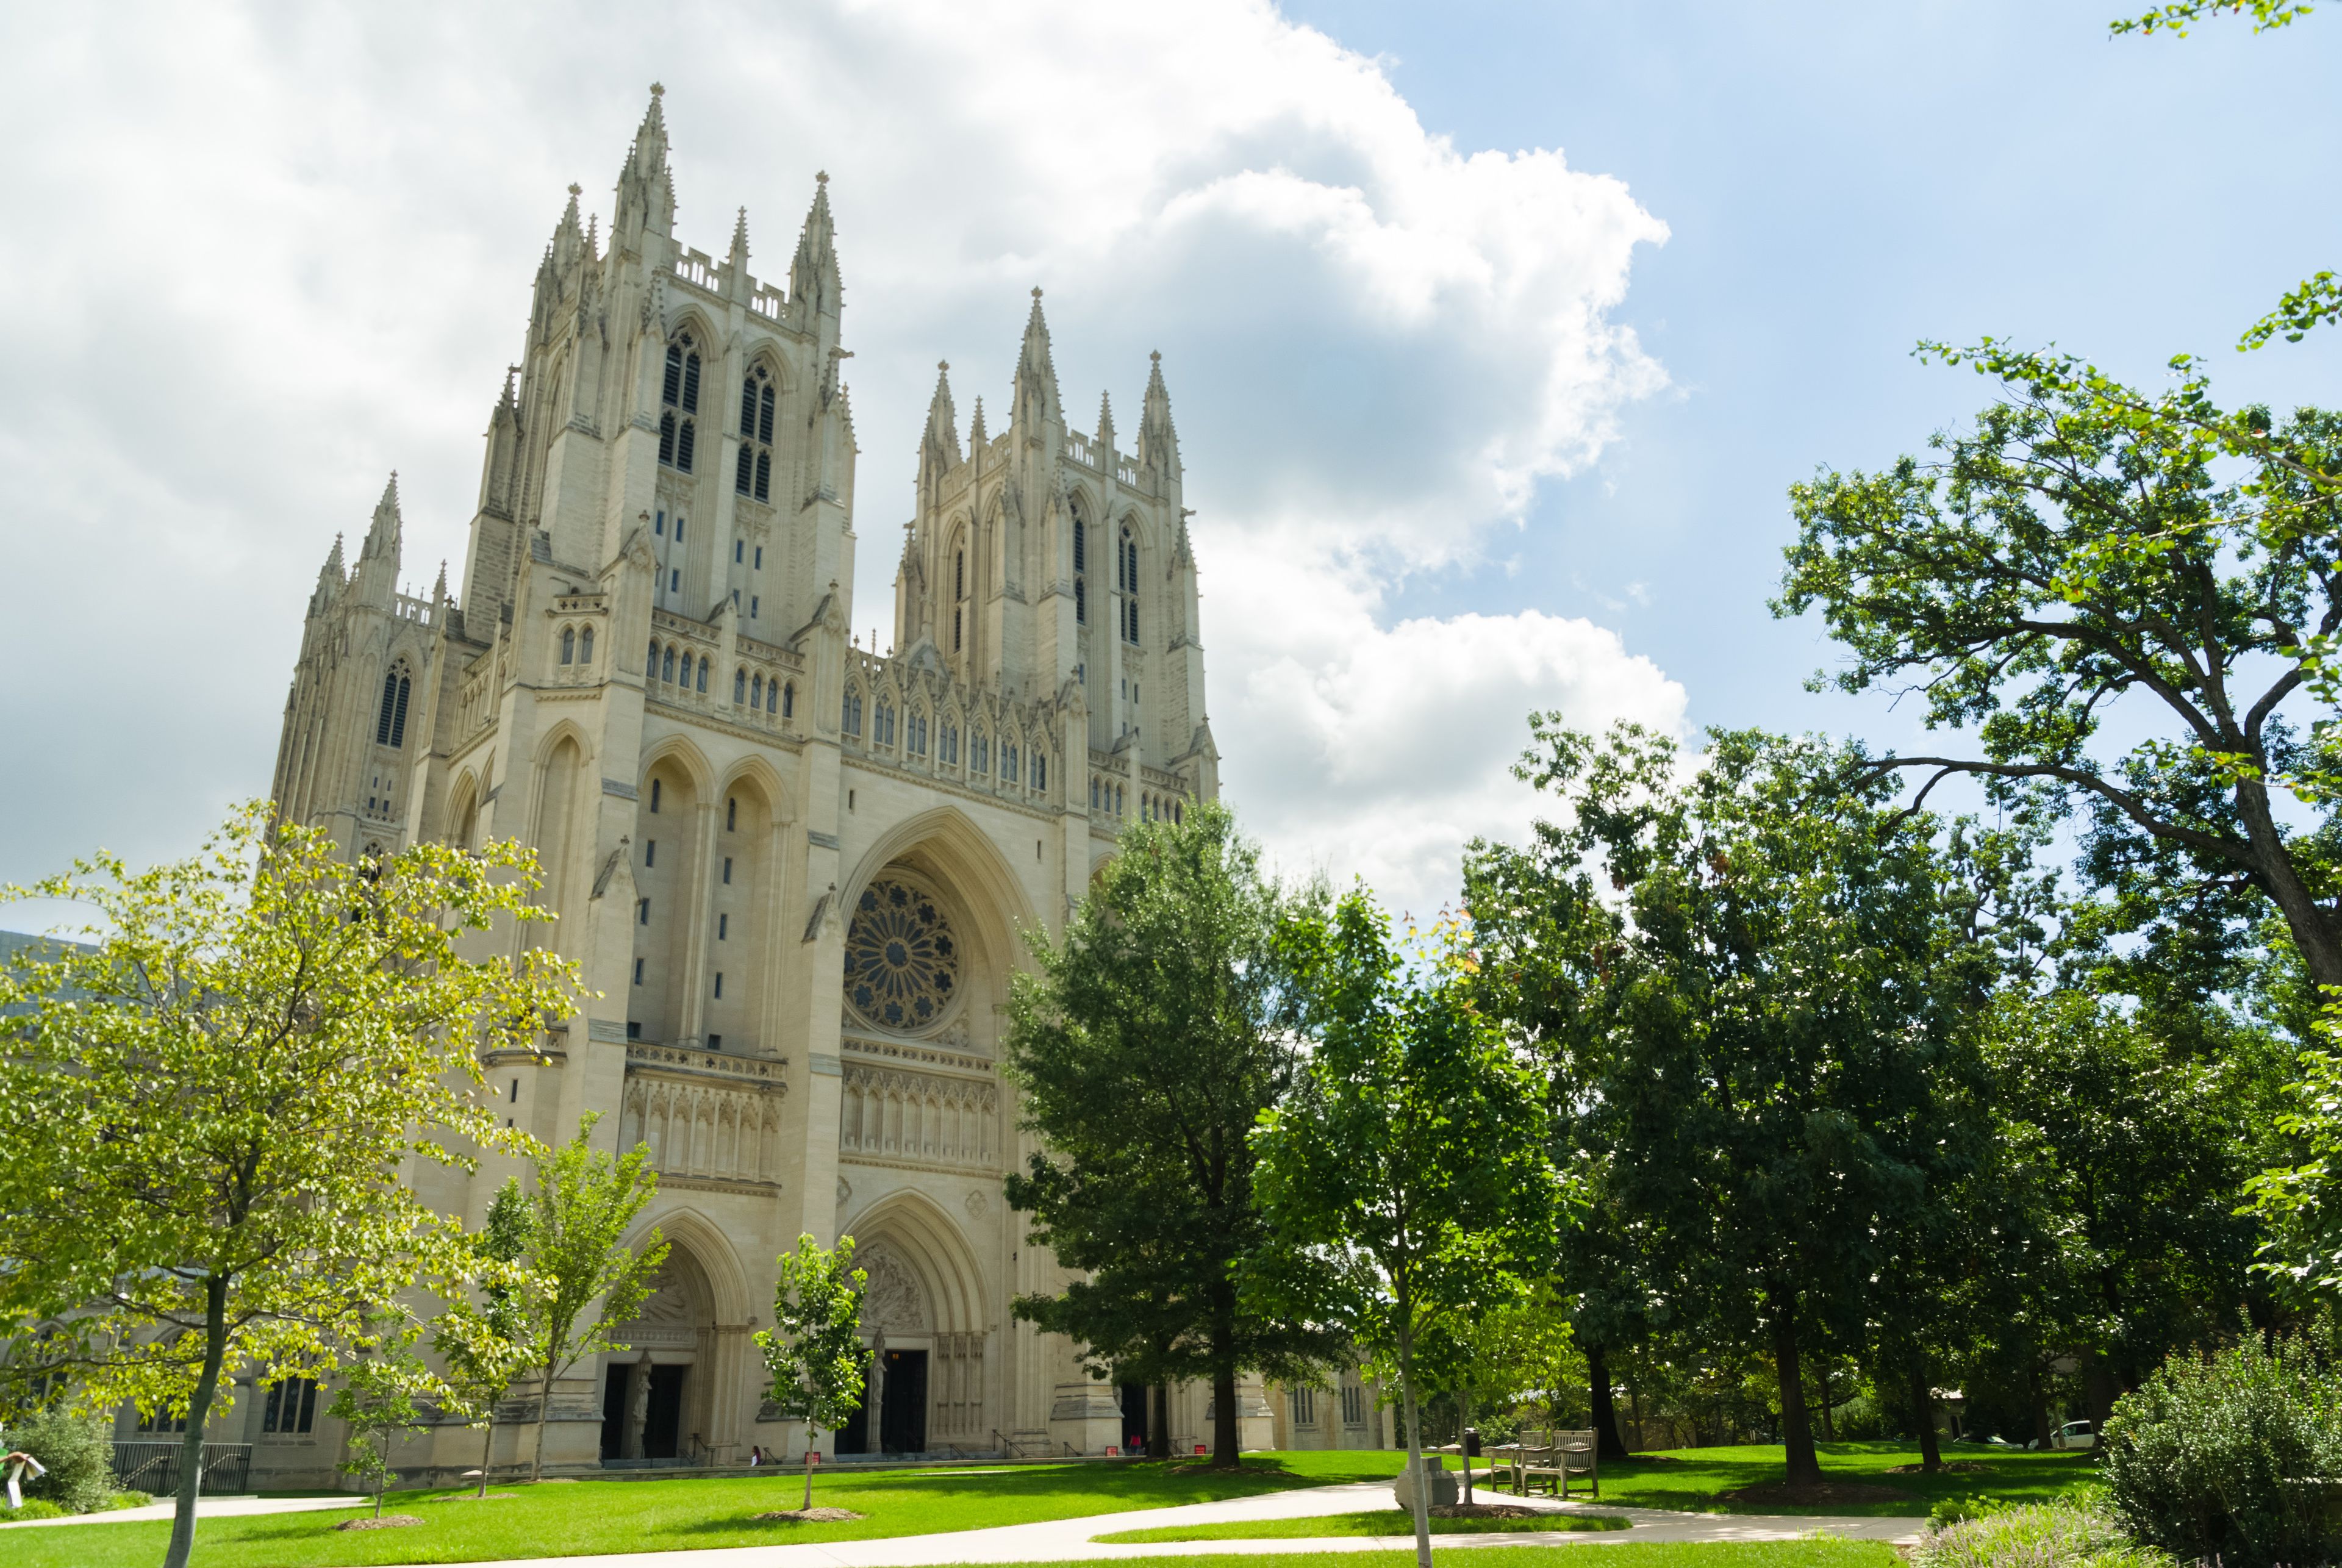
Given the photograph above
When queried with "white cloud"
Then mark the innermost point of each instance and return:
(268, 253)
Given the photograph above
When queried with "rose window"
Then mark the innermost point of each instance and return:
(901, 965)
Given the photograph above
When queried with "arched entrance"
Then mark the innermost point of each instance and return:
(922, 1321)
(656, 1392)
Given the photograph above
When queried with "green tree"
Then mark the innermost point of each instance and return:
(383, 1385)
(1764, 986)
(1515, 1353)
(587, 1280)
(485, 1345)
(813, 1352)
(1146, 1045)
(2085, 544)
(213, 1111)
(1410, 1164)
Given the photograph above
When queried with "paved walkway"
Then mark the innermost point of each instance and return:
(1070, 1540)
(206, 1508)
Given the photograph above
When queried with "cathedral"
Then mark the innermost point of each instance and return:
(794, 868)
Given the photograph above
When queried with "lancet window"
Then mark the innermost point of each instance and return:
(390, 724)
(756, 468)
(679, 396)
(1125, 578)
(1081, 565)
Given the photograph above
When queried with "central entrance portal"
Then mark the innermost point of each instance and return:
(903, 1406)
(902, 1377)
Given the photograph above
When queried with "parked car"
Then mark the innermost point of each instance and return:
(2075, 1434)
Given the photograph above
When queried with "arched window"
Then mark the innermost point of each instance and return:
(1125, 577)
(1081, 565)
(390, 725)
(666, 666)
(915, 733)
(703, 674)
(731, 812)
(650, 666)
(756, 692)
(947, 742)
(883, 730)
(754, 476)
(851, 719)
(773, 693)
(585, 646)
(678, 427)
(1178, 813)
(568, 645)
(1040, 771)
(1094, 792)
(979, 752)
(655, 797)
(1008, 761)
(739, 687)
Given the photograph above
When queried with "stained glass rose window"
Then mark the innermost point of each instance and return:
(901, 963)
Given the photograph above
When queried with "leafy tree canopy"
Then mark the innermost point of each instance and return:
(1146, 1045)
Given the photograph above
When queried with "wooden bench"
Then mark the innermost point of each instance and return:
(1553, 1457)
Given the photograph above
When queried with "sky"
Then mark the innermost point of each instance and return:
(1495, 333)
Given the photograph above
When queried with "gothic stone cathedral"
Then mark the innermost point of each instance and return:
(793, 868)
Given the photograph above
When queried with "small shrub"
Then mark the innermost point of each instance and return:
(1960, 1510)
(132, 1498)
(33, 1508)
(2224, 1456)
(2060, 1534)
(79, 1454)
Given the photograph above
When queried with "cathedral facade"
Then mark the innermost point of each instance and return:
(795, 869)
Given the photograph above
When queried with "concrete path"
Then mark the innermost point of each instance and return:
(206, 1508)
(1071, 1539)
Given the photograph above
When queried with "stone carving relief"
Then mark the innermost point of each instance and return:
(979, 1206)
(891, 1297)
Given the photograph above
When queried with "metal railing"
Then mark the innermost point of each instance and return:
(152, 1466)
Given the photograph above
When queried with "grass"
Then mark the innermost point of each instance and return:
(1381, 1522)
(614, 1516)
(1692, 1478)
(648, 1517)
(1811, 1552)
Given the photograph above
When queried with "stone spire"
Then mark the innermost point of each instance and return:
(940, 444)
(1105, 421)
(976, 437)
(814, 286)
(439, 589)
(646, 188)
(568, 238)
(330, 578)
(383, 538)
(1036, 401)
(1158, 442)
(740, 244)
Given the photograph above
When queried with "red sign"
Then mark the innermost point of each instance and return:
(1199, 1448)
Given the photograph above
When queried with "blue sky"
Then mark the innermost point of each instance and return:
(1495, 333)
(1842, 181)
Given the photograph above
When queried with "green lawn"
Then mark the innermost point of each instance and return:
(1691, 1478)
(592, 1516)
(1382, 1522)
(589, 1517)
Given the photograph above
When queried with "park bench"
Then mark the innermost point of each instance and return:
(1553, 1457)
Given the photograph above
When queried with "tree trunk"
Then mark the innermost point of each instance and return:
(1464, 1441)
(487, 1450)
(1607, 1442)
(543, 1411)
(2040, 1402)
(1159, 1424)
(1228, 1443)
(1413, 1439)
(1821, 1375)
(1227, 1450)
(381, 1471)
(2097, 1388)
(1635, 1405)
(199, 1411)
(1923, 1400)
(2319, 944)
(809, 1437)
(1805, 1467)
